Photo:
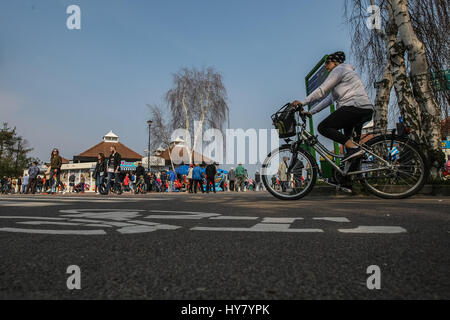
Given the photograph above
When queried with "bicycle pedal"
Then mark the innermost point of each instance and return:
(346, 190)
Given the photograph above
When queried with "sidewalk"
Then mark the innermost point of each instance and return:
(318, 191)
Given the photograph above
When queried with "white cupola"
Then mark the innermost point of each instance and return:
(111, 137)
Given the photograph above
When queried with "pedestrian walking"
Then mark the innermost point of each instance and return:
(240, 176)
(197, 176)
(39, 185)
(55, 170)
(211, 171)
(33, 173)
(99, 173)
(282, 174)
(82, 183)
(19, 184)
(72, 182)
(231, 178)
(172, 178)
(190, 178)
(258, 181)
(114, 170)
(25, 182)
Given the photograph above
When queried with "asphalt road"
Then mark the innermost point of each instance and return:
(223, 246)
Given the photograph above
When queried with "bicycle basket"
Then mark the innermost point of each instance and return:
(284, 121)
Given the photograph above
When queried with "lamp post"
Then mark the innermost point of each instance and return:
(149, 122)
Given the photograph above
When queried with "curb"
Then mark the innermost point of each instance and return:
(429, 190)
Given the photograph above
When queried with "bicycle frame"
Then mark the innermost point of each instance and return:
(313, 142)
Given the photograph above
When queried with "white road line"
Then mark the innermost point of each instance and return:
(234, 218)
(374, 229)
(280, 220)
(333, 219)
(57, 232)
(260, 227)
(182, 215)
(186, 212)
(35, 223)
(35, 218)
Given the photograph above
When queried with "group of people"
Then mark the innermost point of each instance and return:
(240, 181)
(108, 178)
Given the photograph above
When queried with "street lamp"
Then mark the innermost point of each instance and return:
(149, 122)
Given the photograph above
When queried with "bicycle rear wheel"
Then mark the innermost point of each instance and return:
(300, 179)
(407, 173)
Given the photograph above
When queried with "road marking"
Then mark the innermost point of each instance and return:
(258, 230)
(333, 219)
(35, 223)
(260, 227)
(185, 215)
(129, 221)
(56, 232)
(36, 218)
(374, 229)
(233, 218)
(280, 220)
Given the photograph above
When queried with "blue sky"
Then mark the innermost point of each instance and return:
(67, 88)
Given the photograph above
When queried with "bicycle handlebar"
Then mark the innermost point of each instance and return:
(300, 110)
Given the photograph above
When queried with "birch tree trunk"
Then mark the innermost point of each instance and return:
(409, 108)
(430, 111)
(384, 87)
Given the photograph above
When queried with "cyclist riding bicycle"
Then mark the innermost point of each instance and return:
(353, 105)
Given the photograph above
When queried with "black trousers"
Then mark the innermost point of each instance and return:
(198, 184)
(31, 185)
(347, 118)
(208, 182)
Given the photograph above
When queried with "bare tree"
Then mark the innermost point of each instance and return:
(160, 130)
(197, 95)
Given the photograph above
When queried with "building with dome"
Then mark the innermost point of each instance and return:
(110, 139)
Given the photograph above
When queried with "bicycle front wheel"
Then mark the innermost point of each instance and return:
(293, 179)
(407, 170)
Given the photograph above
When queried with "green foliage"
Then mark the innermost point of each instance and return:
(13, 152)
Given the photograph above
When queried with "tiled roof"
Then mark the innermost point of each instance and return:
(103, 147)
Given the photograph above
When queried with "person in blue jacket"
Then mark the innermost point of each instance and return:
(197, 177)
(172, 178)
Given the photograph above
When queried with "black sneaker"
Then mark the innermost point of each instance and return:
(353, 153)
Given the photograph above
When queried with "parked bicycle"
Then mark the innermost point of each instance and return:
(393, 166)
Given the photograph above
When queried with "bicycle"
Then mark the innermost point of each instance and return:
(393, 167)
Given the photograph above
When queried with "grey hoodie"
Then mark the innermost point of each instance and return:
(346, 89)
